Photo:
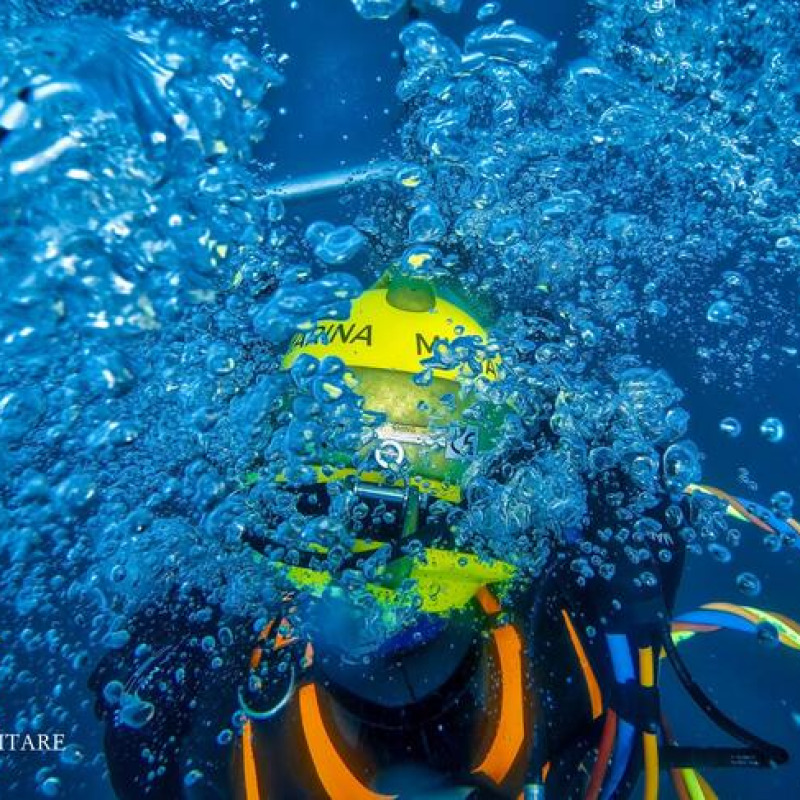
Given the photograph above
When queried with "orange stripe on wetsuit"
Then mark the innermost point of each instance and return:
(252, 790)
(337, 779)
(509, 738)
(592, 686)
(334, 774)
(511, 730)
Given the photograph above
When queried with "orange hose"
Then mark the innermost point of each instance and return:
(607, 739)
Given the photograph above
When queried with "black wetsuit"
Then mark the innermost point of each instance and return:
(419, 705)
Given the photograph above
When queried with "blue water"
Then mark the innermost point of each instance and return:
(637, 159)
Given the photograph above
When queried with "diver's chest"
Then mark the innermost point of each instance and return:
(458, 705)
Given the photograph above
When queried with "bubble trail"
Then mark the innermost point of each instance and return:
(328, 182)
(152, 276)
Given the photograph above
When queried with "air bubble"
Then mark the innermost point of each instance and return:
(748, 584)
(51, 787)
(681, 464)
(731, 426)
(72, 755)
(719, 552)
(220, 360)
(193, 777)
(136, 713)
(487, 10)
(339, 245)
(720, 312)
(378, 9)
(426, 225)
(225, 737)
(772, 430)
(20, 412)
(767, 634)
(782, 504)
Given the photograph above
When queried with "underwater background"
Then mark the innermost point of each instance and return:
(628, 166)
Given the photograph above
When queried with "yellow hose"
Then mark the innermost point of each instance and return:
(650, 743)
(647, 678)
(693, 785)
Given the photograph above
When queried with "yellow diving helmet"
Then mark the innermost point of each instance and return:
(419, 361)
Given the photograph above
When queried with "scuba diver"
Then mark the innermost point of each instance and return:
(399, 662)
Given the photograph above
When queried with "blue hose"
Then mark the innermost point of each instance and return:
(622, 663)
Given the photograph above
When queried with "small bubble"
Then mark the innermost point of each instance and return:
(275, 210)
(136, 713)
(193, 777)
(649, 580)
(225, 737)
(51, 787)
(487, 10)
(767, 634)
(72, 755)
(719, 553)
(658, 6)
(748, 584)
(112, 692)
(681, 464)
(220, 360)
(410, 177)
(782, 504)
(334, 245)
(720, 312)
(116, 639)
(607, 571)
(118, 573)
(426, 225)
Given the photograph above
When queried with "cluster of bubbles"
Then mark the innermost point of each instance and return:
(384, 9)
(149, 284)
(544, 174)
(246, 20)
(128, 213)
